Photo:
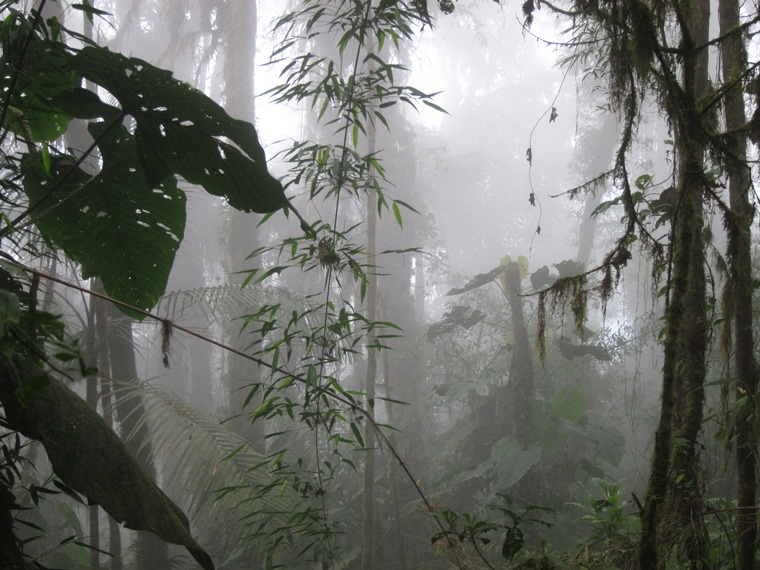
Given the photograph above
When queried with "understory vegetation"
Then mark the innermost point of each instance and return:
(500, 322)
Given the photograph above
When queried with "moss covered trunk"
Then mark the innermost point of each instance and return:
(739, 292)
(672, 520)
(521, 386)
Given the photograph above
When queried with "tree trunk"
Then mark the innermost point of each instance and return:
(92, 400)
(738, 224)
(243, 235)
(521, 389)
(392, 468)
(150, 551)
(99, 309)
(595, 155)
(672, 519)
(368, 507)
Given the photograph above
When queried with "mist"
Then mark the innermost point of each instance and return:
(449, 344)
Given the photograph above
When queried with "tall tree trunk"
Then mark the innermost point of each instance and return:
(400, 543)
(150, 551)
(92, 400)
(672, 519)
(595, 155)
(368, 534)
(738, 224)
(521, 388)
(99, 309)
(238, 72)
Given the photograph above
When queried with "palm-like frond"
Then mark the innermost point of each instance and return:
(229, 490)
(220, 303)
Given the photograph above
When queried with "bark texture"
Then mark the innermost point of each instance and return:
(739, 295)
(672, 520)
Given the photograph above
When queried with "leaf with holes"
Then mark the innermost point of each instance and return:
(181, 131)
(115, 224)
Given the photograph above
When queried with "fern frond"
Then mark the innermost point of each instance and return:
(235, 501)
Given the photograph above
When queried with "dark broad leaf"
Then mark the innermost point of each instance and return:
(569, 268)
(571, 351)
(512, 462)
(91, 459)
(458, 316)
(541, 278)
(182, 131)
(115, 224)
(43, 76)
(478, 281)
(84, 104)
(591, 468)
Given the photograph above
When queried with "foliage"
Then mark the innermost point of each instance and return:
(659, 52)
(124, 222)
(221, 478)
(613, 530)
(116, 209)
(88, 456)
(469, 529)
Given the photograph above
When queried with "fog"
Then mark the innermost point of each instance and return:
(355, 394)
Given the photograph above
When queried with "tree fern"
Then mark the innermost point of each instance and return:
(235, 496)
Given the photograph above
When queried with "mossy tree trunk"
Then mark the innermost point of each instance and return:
(521, 385)
(672, 518)
(738, 298)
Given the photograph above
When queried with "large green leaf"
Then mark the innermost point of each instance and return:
(181, 131)
(90, 458)
(512, 462)
(125, 223)
(43, 75)
(115, 224)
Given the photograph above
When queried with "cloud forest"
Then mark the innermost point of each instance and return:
(379, 284)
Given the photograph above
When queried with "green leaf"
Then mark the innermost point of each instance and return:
(44, 75)
(179, 130)
(45, 154)
(397, 214)
(89, 10)
(513, 542)
(644, 181)
(357, 434)
(434, 106)
(91, 460)
(115, 224)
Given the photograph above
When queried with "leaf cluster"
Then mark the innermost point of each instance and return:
(115, 207)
